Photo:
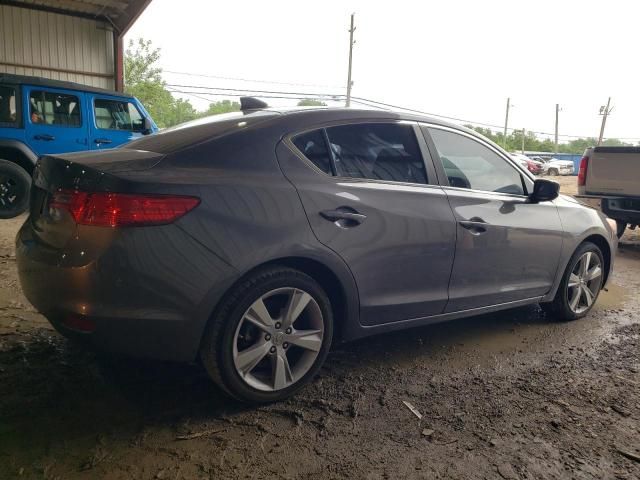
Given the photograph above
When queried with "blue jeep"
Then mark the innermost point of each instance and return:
(40, 116)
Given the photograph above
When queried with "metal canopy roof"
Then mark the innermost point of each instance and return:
(120, 13)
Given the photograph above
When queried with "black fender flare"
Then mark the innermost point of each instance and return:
(21, 147)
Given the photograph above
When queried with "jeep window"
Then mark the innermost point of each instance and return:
(118, 115)
(8, 111)
(57, 109)
(379, 151)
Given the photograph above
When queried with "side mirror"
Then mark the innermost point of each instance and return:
(544, 190)
(148, 127)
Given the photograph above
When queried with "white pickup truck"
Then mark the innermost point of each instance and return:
(609, 179)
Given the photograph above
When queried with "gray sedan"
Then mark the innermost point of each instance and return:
(256, 240)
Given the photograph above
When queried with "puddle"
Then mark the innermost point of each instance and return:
(615, 297)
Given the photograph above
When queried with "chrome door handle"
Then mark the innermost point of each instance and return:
(335, 215)
(100, 141)
(476, 226)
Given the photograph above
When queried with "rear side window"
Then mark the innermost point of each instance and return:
(377, 151)
(8, 106)
(117, 115)
(50, 108)
(313, 146)
(469, 164)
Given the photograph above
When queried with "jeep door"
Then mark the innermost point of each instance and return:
(114, 121)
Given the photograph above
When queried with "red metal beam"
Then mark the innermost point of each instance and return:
(118, 62)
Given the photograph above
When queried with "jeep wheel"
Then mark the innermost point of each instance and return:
(553, 172)
(15, 184)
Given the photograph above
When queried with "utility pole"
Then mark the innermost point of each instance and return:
(351, 43)
(604, 111)
(556, 134)
(506, 122)
(523, 133)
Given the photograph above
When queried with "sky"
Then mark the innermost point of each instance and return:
(459, 58)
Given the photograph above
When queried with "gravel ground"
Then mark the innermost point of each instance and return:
(510, 395)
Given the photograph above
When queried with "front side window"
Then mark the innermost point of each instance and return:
(469, 164)
(118, 115)
(8, 106)
(377, 151)
(50, 108)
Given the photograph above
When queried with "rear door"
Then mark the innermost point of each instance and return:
(114, 121)
(56, 120)
(507, 248)
(370, 196)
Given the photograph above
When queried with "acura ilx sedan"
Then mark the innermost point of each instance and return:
(255, 240)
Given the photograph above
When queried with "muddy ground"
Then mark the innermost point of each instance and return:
(510, 395)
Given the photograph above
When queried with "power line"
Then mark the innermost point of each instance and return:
(226, 89)
(331, 98)
(238, 79)
(288, 95)
(461, 119)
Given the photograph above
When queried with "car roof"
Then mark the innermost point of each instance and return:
(47, 82)
(280, 121)
(307, 116)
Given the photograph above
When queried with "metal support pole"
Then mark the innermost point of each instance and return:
(351, 42)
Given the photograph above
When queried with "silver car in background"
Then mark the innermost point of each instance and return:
(555, 167)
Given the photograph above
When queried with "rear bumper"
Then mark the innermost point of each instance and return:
(623, 209)
(142, 300)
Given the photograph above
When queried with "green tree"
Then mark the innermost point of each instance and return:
(143, 79)
(182, 111)
(311, 102)
(223, 106)
(533, 144)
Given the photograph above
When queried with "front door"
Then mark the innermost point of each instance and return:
(115, 121)
(55, 121)
(507, 248)
(370, 197)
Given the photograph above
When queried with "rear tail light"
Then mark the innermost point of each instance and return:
(582, 173)
(106, 209)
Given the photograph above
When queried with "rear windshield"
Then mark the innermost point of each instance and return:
(197, 131)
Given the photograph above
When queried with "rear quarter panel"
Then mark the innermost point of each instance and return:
(250, 214)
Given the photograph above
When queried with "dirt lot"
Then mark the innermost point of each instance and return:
(510, 395)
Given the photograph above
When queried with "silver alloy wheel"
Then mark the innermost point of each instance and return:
(278, 339)
(584, 282)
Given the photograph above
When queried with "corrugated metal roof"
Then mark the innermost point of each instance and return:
(120, 13)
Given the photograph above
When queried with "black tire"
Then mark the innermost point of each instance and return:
(217, 347)
(15, 184)
(553, 172)
(559, 308)
(620, 228)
